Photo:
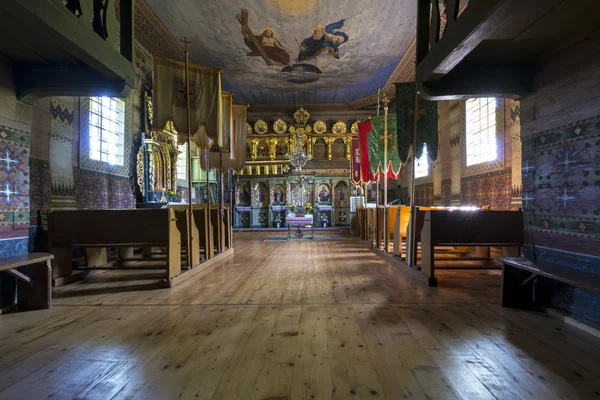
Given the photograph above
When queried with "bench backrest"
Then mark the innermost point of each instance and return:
(110, 227)
(475, 227)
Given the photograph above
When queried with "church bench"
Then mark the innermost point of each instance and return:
(519, 276)
(96, 230)
(468, 228)
(204, 227)
(34, 279)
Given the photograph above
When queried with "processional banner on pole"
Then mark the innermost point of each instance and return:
(170, 103)
(220, 150)
(364, 128)
(377, 154)
(427, 122)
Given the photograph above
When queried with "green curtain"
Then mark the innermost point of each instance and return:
(427, 123)
(377, 145)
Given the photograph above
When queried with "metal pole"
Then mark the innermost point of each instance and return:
(385, 174)
(411, 256)
(190, 226)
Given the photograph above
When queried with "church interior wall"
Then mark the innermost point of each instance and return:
(15, 138)
(560, 129)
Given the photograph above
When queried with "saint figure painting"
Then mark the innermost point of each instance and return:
(323, 38)
(265, 44)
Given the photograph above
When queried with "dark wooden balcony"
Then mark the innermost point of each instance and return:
(494, 47)
(55, 53)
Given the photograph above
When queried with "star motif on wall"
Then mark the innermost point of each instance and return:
(582, 227)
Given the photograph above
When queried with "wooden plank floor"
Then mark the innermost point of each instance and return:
(293, 320)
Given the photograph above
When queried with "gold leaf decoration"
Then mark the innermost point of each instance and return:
(292, 129)
(249, 128)
(261, 127)
(320, 127)
(279, 126)
(308, 129)
(339, 128)
(354, 128)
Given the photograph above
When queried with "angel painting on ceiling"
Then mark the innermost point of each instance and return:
(323, 38)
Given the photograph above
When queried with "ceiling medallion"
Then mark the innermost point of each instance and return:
(339, 128)
(249, 128)
(354, 128)
(261, 127)
(320, 127)
(279, 126)
(301, 116)
(292, 129)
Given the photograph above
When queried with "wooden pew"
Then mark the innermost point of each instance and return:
(218, 228)
(34, 279)
(204, 228)
(468, 228)
(95, 230)
(401, 223)
(519, 276)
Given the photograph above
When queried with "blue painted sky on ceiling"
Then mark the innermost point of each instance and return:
(354, 44)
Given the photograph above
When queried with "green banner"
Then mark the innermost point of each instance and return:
(427, 122)
(377, 145)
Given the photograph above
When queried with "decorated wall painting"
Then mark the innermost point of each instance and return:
(324, 194)
(244, 196)
(278, 194)
(341, 194)
(281, 149)
(261, 195)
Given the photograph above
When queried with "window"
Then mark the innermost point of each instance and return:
(107, 130)
(182, 162)
(481, 130)
(422, 167)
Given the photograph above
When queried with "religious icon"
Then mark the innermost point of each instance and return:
(265, 44)
(263, 150)
(323, 38)
(342, 195)
(245, 195)
(278, 195)
(281, 149)
(324, 195)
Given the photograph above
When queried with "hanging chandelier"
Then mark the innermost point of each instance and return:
(298, 158)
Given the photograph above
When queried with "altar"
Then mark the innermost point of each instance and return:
(305, 220)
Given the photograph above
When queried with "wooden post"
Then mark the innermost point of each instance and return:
(411, 253)
(190, 216)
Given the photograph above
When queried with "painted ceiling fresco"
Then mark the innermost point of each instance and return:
(295, 51)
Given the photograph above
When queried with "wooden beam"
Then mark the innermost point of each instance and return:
(33, 81)
(466, 81)
(127, 28)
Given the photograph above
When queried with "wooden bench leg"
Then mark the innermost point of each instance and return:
(517, 288)
(96, 257)
(36, 294)
(62, 264)
(125, 252)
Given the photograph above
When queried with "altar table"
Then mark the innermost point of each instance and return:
(291, 219)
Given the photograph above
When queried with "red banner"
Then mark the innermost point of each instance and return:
(366, 176)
